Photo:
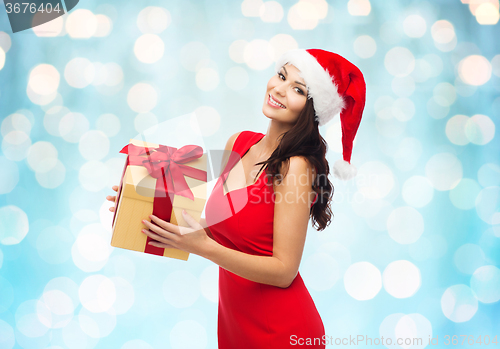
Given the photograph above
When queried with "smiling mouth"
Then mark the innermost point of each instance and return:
(275, 103)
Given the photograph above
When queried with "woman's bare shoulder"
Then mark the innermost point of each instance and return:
(231, 140)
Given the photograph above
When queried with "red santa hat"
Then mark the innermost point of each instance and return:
(336, 86)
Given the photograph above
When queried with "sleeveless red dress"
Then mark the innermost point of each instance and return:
(253, 315)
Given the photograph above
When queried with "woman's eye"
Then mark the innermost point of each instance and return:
(282, 77)
(299, 90)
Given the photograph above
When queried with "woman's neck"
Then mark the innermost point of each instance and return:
(270, 141)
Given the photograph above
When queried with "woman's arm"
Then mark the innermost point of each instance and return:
(293, 197)
(291, 216)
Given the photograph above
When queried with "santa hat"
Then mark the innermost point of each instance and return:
(336, 86)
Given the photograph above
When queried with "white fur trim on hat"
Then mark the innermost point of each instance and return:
(321, 88)
(344, 170)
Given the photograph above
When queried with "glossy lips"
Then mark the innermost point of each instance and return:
(274, 103)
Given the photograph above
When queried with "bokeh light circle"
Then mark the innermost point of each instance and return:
(485, 282)
(94, 145)
(414, 26)
(468, 258)
(479, 129)
(489, 175)
(97, 325)
(16, 145)
(42, 156)
(125, 295)
(459, 303)
(153, 20)
(52, 178)
(7, 337)
(44, 79)
(237, 51)
(362, 281)
(455, 129)
(142, 97)
(97, 293)
(91, 250)
(72, 126)
(271, 12)
(79, 72)
(464, 195)
(55, 309)
(14, 225)
(417, 191)
(444, 171)
(444, 94)
(402, 279)
(81, 24)
(207, 119)
(405, 225)
(149, 48)
(303, 15)
(374, 180)
(359, 7)
(443, 32)
(281, 43)
(16, 122)
(258, 54)
(109, 124)
(145, 121)
(104, 26)
(475, 70)
(487, 203)
(5, 41)
(399, 61)
(321, 271)
(9, 173)
(365, 46)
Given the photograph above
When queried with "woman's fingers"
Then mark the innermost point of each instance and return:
(159, 230)
(171, 228)
(111, 198)
(160, 244)
(156, 236)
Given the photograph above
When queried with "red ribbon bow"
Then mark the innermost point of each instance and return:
(168, 163)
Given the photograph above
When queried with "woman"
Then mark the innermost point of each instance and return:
(256, 225)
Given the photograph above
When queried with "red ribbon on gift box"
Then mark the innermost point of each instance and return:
(166, 164)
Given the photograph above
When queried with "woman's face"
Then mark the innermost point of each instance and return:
(286, 95)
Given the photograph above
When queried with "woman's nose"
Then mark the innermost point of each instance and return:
(278, 89)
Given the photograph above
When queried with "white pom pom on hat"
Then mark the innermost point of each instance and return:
(336, 86)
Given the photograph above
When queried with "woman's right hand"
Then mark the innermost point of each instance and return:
(112, 198)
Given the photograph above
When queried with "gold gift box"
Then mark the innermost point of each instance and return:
(135, 203)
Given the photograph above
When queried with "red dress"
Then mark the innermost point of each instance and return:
(253, 315)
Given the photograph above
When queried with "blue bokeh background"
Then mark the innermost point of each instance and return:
(413, 249)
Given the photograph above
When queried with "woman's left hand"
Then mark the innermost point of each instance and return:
(193, 239)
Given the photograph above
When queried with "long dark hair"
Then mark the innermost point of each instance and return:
(304, 139)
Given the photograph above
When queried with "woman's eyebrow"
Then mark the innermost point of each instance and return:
(301, 84)
(285, 70)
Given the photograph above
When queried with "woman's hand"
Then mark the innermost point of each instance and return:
(112, 198)
(193, 239)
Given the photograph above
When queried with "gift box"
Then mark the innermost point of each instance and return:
(162, 181)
